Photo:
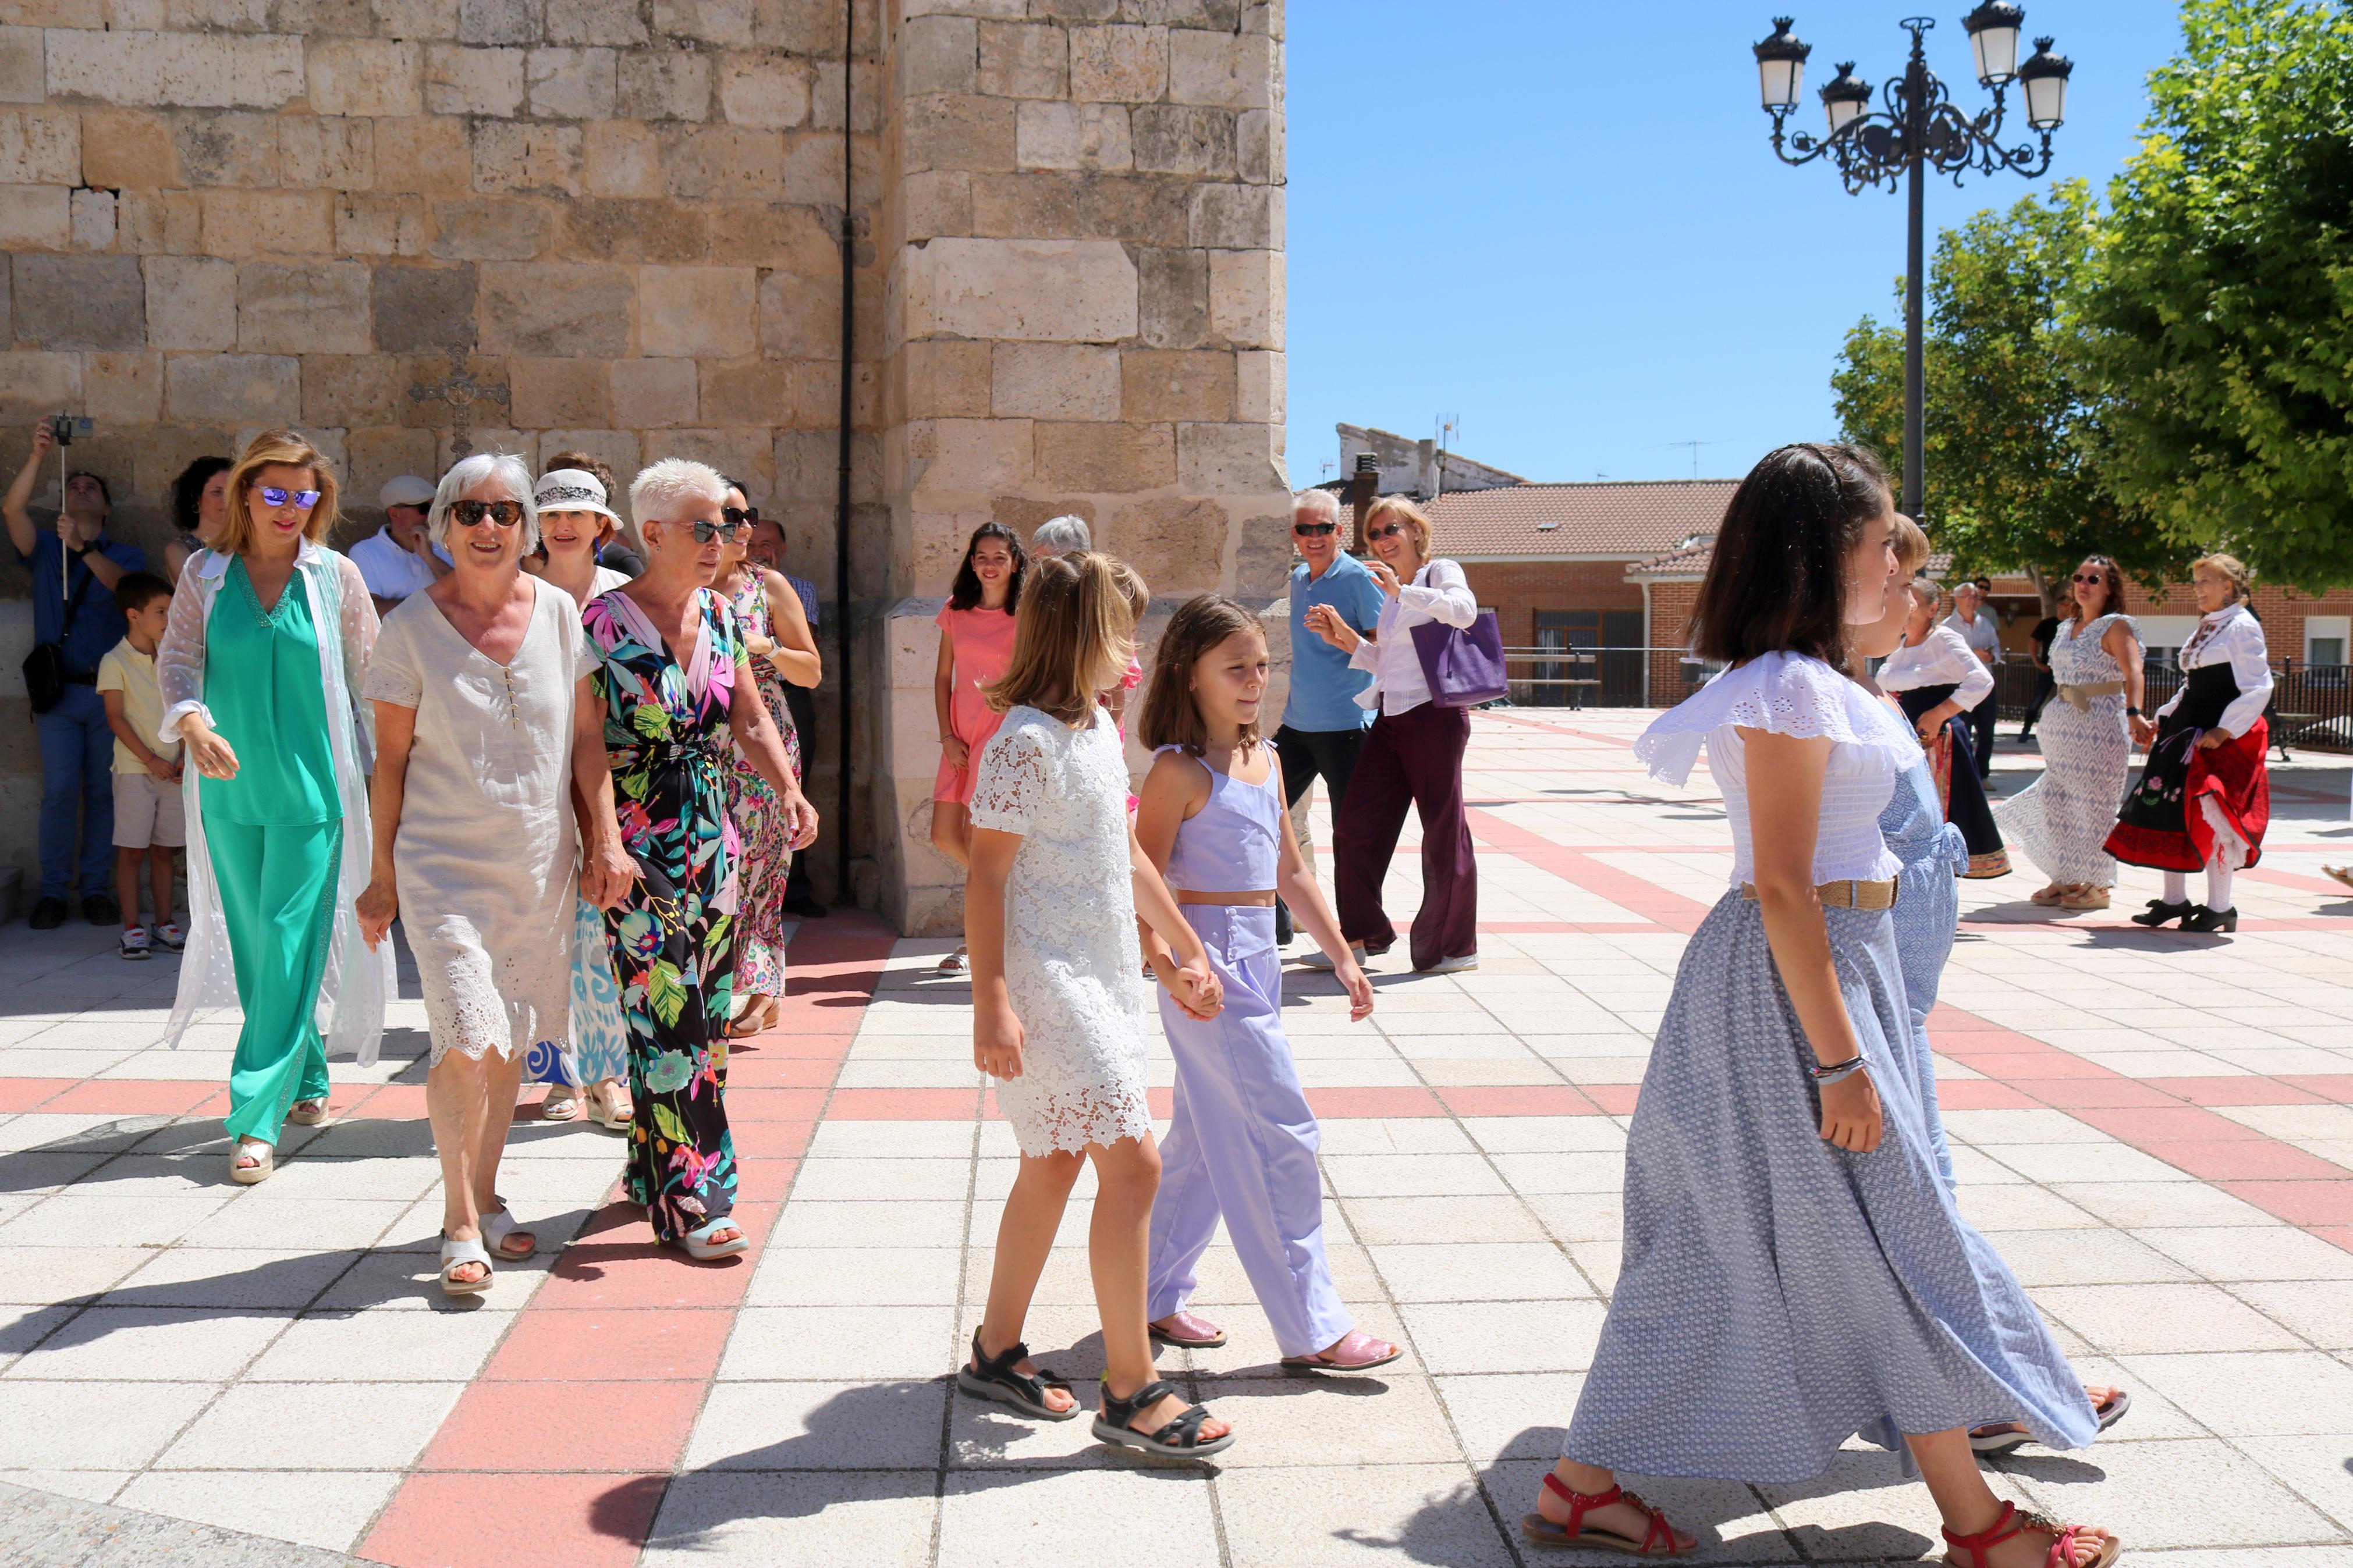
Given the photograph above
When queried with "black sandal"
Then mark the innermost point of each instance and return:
(1179, 1439)
(2158, 912)
(993, 1377)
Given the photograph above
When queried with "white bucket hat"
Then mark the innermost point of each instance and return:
(572, 489)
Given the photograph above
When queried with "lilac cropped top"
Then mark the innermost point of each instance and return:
(1234, 843)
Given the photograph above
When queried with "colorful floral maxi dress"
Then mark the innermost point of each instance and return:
(672, 940)
(767, 845)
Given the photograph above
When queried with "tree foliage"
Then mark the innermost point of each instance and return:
(2220, 314)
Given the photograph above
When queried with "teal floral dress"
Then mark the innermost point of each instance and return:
(673, 940)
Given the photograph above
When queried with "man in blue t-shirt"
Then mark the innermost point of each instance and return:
(80, 616)
(1323, 726)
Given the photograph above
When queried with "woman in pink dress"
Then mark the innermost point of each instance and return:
(976, 645)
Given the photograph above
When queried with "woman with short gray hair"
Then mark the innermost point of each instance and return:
(1059, 535)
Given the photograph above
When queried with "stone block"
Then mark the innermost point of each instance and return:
(185, 70)
(800, 316)
(612, 23)
(1222, 69)
(665, 84)
(943, 378)
(696, 312)
(34, 217)
(1090, 136)
(348, 391)
(650, 394)
(1236, 217)
(371, 225)
(556, 308)
(165, 449)
(326, 149)
(1263, 555)
(1163, 386)
(770, 92)
(1260, 389)
(1054, 380)
(747, 453)
(1041, 206)
(825, 109)
(616, 230)
(483, 229)
(813, 167)
(80, 301)
(1119, 64)
(1181, 139)
(550, 392)
(728, 162)
(959, 131)
(523, 444)
(1176, 543)
(92, 218)
(971, 457)
(1059, 290)
(1225, 16)
(727, 23)
(1106, 458)
(152, 222)
(1259, 146)
(1246, 298)
(1023, 60)
(123, 148)
(512, 155)
(473, 81)
(1000, 8)
(41, 147)
(32, 384)
(620, 158)
(191, 302)
(1142, 211)
(934, 55)
(748, 391)
(310, 307)
(1173, 297)
(22, 70)
(935, 203)
(570, 84)
(427, 156)
(416, 308)
(227, 149)
(421, 19)
(617, 448)
(118, 389)
(1227, 459)
(267, 223)
(233, 389)
(373, 454)
(498, 22)
(365, 76)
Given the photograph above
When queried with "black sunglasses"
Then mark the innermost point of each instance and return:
(705, 530)
(467, 513)
(740, 513)
(1386, 530)
(1314, 528)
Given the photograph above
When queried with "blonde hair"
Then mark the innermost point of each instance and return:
(2243, 582)
(1911, 546)
(281, 449)
(1072, 637)
(1398, 507)
(1926, 593)
(1171, 717)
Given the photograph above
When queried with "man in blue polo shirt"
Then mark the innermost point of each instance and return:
(80, 616)
(1322, 727)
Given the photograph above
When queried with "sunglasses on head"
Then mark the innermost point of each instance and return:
(302, 501)
(1314, 529)
(740, 514)
(1386, 530)
(467, 513)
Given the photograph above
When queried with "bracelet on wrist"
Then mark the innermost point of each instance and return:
(1836, 1071)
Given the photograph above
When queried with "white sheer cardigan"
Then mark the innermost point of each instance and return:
(357, 983)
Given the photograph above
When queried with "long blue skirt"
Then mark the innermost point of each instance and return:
(1778, 1295)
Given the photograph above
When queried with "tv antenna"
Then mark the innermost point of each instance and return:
(1695, 446)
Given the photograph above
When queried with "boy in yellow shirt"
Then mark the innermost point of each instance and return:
(149, 821)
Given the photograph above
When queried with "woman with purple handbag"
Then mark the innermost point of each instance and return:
(1432, 658)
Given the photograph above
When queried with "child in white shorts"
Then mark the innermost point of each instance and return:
(150, 824)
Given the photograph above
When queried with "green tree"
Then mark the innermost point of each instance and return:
(2011, 427)
(2220, 314)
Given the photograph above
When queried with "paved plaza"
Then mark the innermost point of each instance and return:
(2157, 1131)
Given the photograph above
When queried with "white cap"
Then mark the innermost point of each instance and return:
(572, 489)
(406, 491)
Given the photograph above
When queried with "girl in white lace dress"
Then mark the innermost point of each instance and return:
(1056, 885)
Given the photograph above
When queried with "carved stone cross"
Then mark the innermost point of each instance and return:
(459, 389)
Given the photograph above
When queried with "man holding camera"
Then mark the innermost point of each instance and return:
(75, 568)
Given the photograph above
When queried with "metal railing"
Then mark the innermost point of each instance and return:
(1602, 677)
(2311, 706)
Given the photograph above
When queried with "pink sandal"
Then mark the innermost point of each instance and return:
(1189, 1332)
(2012, 1522)
(1658, 1541)
(1357, 1351)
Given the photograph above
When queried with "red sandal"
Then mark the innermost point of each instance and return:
(2012, 1522)
(1658, 1541)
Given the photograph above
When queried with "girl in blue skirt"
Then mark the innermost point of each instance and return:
(1795, 1271)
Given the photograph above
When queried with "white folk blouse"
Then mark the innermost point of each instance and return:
(1942, 658)
(2231, 635)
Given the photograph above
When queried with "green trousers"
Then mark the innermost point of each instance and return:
(277, 889)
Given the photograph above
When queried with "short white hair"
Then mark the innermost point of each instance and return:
(1057, 534)
(468, 472)
(664, 486)
(1323, 504)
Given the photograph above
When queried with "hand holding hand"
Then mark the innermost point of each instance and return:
(1351, 976)
(605, 880)
(377, 909)
(168, 773)
(958, 754)
(2143, 731)
(212, 755)
(996, 1041)
(1198, 992)
(803, 817)
(1851, 1114)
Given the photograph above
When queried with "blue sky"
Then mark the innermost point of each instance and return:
(1562, 219)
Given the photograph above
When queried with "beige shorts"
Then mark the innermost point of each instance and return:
(147, 812)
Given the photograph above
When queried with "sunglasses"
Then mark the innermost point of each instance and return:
(705, 530)
(2090, 577)
(1314, 529)
(467, 513)
(302, 501)
(1386, 530)
(740, 514)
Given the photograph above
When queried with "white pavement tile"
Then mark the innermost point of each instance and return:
(1413, 1219)
(1478, 1271)
(231, 1276)
(73, 1220)
(2320, 1310)
(315, 1425)
(2197, 1493)
(139, 1343)
(285, 1223)
(856, 1276)
(2161, 1203)
(312, 1508)
(384, 1347)
(33, 1275)
(1511, 1415)
(2253, 1252)
(1548, 1134)
(2088, 1162)
(998, 1518)
(832, 1180)
(89, 1486)
(902, 1223)
(2145, 1319)
(2081, 1257)
(2292, 1394)
(2315, 1469)
(1732, 1526)
(1372, 1420)
(1339, 1518)
(95, 1426)
(1504, 1336)
(819, 1425)
(840, 1342)
(808, 1520)
(1863, 1507)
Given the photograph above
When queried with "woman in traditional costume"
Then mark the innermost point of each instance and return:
(1938, 679)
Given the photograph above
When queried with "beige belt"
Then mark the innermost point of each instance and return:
(2079, 697)
(1844, 895)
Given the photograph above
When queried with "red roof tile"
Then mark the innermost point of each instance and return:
(1630, 521)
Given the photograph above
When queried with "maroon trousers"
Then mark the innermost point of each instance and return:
(1412, 757)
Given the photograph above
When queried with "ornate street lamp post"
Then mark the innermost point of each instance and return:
(1917, 129)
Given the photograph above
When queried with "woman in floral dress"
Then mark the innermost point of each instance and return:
(668, 722)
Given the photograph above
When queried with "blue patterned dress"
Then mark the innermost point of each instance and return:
(1778, 1295)
(1927, 915)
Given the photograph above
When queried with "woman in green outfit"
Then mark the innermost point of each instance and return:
(277, 825)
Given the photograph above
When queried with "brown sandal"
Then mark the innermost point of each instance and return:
(1658, 1541)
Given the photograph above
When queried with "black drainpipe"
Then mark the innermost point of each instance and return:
(848, 662)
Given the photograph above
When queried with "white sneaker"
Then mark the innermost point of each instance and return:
(170, 934)
(1454, 965)
(133, 943)
(1316, 958)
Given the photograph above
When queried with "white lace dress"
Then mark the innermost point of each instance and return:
(1072, 959)
(2061, 819)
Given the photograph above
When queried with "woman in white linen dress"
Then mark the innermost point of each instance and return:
(2062, 820)
(483, 721)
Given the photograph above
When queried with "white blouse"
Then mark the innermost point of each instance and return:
(1941, 660)
(1438, 592)
(2231, 635)
(1792, 694)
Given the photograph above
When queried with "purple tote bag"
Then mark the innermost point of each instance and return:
(1463, 667)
